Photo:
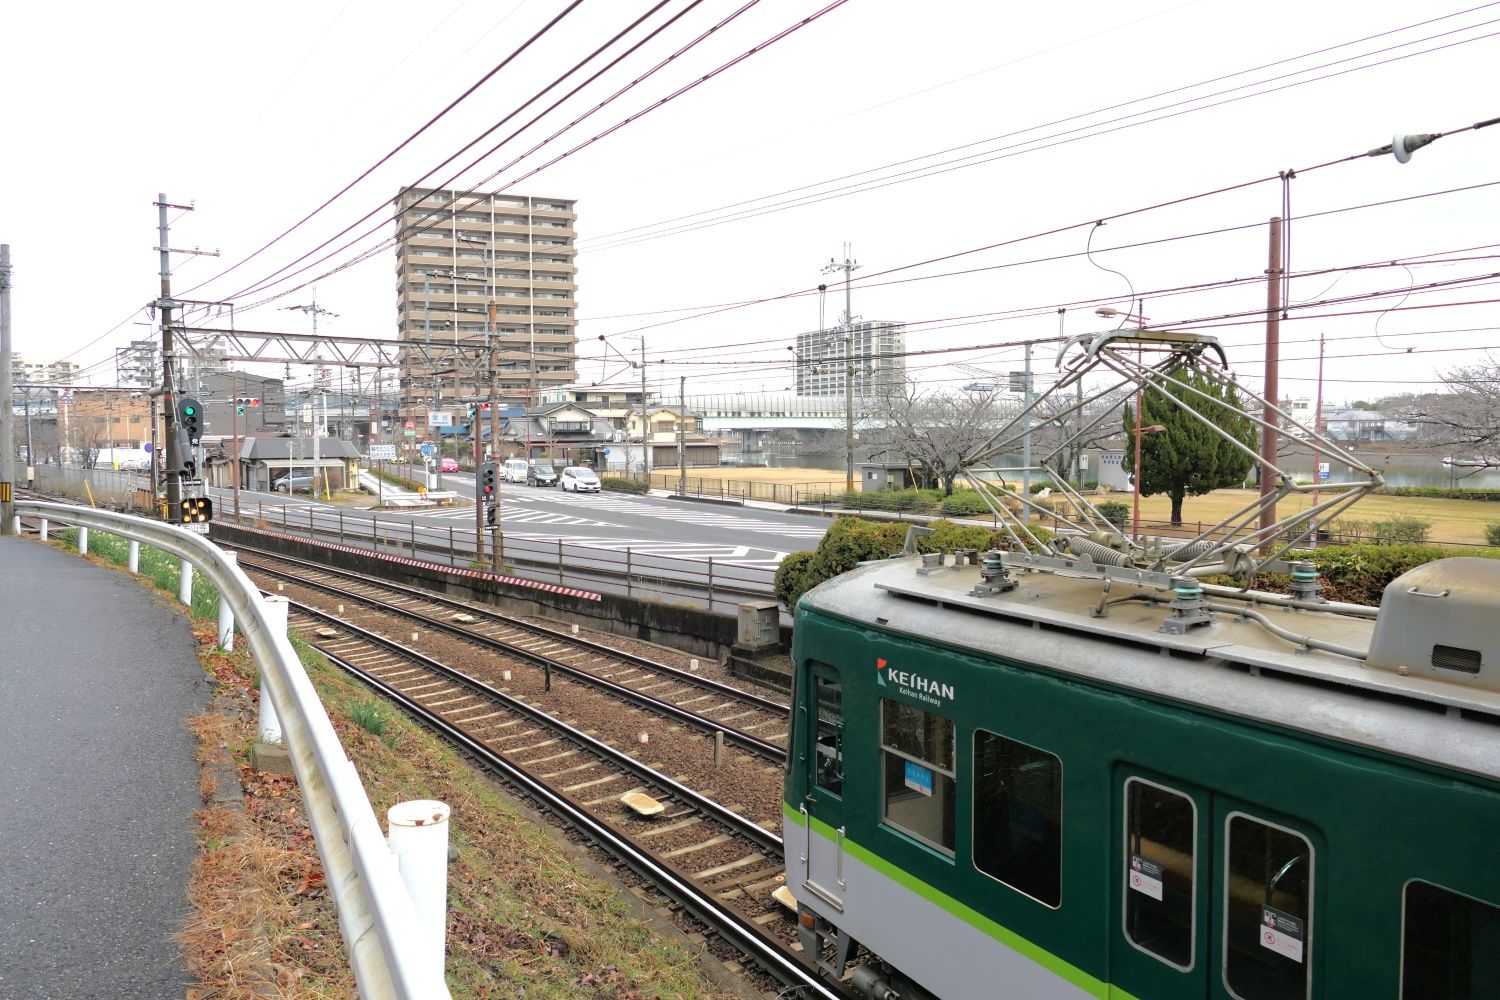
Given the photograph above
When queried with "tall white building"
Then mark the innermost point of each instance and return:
(878, 352)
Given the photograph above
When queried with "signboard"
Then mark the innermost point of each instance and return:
(382, 453)
(1282, 933)
(426, 449)
(1322, 470)
(439, 418)
(918, 778)
(1145, 876)
(409, 433)
(148, 447)
(410, 425)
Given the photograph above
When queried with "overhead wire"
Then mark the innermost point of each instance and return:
(684, 89)
(514, 54)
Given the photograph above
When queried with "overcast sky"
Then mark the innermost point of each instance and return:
(258, 113)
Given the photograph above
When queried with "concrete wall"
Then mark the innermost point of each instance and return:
(692, 630)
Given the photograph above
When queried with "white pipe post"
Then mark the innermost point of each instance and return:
(42, 534)
(133, 560)
(83, 541)
(16, 525)
(185, 583)
(226, 614)
(419, 839)
(268, 726)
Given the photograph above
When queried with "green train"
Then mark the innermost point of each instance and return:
(1010, 783)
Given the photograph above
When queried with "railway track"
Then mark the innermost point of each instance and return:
(711, 859)
(748, 720)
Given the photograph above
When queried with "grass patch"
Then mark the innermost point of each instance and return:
(162, 569)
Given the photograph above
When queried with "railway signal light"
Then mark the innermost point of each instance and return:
(190, 418)
(487, 476)
(195, 510)
(491, 516)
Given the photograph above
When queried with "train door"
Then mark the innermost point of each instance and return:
(1264, 920)
(822, 852)
(1160, 893)
(1213, 897)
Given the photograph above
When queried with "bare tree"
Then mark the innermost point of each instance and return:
(1061, 434)
(933, 431)
(1465, 418)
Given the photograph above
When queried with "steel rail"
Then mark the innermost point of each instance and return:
(742, 825)
(745, 741)
(645, 662)
(734, 928)
(361, 870)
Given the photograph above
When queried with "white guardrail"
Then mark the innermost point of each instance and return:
(388, 946)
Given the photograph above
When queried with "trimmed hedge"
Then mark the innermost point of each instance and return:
(852, 540)
(622, 485)
(1358, 574)
(1440, 492)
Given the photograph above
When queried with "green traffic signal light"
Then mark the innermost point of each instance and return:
(190, 410)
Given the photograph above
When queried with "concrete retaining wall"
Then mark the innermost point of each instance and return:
(692, 630)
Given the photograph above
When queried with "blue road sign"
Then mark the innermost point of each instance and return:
(427, 449)
(147, 447)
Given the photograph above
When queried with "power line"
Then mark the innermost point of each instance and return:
(400, 146)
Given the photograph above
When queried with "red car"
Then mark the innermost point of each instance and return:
(448, 464)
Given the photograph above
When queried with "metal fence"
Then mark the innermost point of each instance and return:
(361, 871)
(716, 584)
(730, 490)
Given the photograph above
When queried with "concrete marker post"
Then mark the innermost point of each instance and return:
(133, 558)
(83, 541)
(42, 532)
(268, 726)
(418, 837)
(185, 584)
(226, 615)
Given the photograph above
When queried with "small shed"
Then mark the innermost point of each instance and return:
(263, 460)
(885, 475)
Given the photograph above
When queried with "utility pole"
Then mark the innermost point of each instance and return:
(1272, 394)
(7, 405)
(1317, 469)
(315, 311)
(645, 420)
(1026, 431)
(849, 266)
(166, 305)
(682, 435)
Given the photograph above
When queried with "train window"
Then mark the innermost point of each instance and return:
(829, 744)
(919, 788)
(1450, 946)
(1161, 828)
(1267, 911)
(1018, 816)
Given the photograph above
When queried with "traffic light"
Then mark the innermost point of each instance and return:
(240, 402)
(487, 477)
(492, 515)
(190, 418)
(195, 510)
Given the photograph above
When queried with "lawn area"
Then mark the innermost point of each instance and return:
(832, 478)
(1452, 520)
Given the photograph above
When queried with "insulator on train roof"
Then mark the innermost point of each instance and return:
(993, 577)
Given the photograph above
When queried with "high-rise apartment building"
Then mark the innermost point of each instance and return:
(878, 352)
(474, 267)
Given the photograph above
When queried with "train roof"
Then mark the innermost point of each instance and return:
(1231, 664)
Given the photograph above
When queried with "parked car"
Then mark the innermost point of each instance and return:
(514, 470)
(293, 484)
(579, 479)
(541, 474)
(448, 464)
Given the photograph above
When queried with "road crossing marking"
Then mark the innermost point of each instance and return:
(728, 555)
(689, 516)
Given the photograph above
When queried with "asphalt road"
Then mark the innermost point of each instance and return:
(97, 780)
(710, 554)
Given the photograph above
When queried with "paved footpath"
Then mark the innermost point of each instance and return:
(97, 780)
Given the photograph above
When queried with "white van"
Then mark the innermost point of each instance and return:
(514, 470)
